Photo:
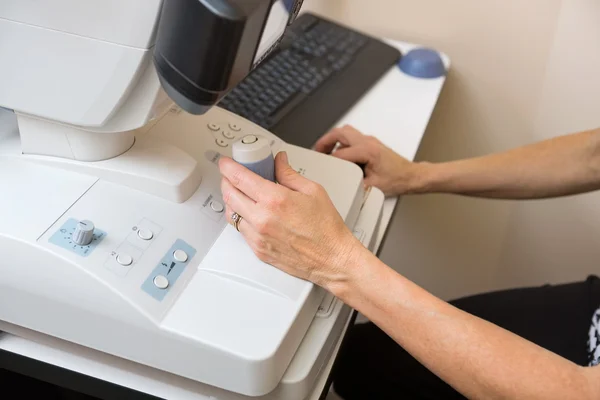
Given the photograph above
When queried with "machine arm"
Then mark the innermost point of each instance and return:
(205, 47)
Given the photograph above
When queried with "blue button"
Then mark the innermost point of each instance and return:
(423, 63)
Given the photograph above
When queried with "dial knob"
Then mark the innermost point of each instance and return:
(84, 233)
(254, 152)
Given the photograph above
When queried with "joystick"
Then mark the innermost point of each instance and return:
(254, 152)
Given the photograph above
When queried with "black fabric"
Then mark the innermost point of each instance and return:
(557, 317)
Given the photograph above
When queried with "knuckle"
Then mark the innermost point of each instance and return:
(236, 178)
(262, 225)
(261, 246)
(275, 201)
(315, 189)
(374, 146)
(262, 250)
(226, 196)
(289, 173)
(373, 141)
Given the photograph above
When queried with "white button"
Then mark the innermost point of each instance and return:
(180, 256)
(235, 127)
(161, 282)
(145, 234)
(214, 127)
(228, 135)
(124, 259)
(249, 139)
(217, 207)
(222, 143)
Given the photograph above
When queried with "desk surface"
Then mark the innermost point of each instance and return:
(396, 110)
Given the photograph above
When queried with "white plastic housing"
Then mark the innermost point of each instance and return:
(229, 320)
(75, 67)
(79, 62)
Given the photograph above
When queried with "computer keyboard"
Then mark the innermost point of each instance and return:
(320, 70)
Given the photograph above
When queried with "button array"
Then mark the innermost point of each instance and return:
(124, 257)
(163, 278)
(224, 135)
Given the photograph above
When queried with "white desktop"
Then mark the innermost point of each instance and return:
(112, 227)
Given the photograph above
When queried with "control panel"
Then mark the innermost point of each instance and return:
(123, 257)
(225, 133)
(143, 247)
(148, 249)
(168, 270)
(79, 237)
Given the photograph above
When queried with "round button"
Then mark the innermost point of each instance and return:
(161, 282)
(222, 143)
(214, 127)
(145, 234)
(124, 259)
(249, 139)
(180, 256)
(217, 207)
(235, 127)
(228, 135)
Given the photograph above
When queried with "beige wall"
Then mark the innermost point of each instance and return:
(509, 85)
(562, 235)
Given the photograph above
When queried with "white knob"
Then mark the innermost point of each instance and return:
(84, 233)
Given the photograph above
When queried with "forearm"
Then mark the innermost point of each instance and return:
(479, 359)
(560, 166)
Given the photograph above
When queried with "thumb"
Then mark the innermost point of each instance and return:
(286, 175)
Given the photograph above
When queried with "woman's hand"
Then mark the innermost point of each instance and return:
(384, 169)
(292, 225)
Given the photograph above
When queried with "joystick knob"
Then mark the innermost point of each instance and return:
(84, 233)
(254, 152)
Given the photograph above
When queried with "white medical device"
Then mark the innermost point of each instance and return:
(112, 227)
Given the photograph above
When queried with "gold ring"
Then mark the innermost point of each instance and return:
(236, 219)
(237, 223)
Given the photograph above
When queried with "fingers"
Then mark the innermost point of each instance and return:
(246, 181)
(287, 176)
(257, 243)
(356, 155)
(236, 201)
(346, 135)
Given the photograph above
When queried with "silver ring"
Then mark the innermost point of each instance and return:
(236, 219)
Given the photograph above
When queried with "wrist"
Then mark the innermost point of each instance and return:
(358, 267)
(423, 178)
